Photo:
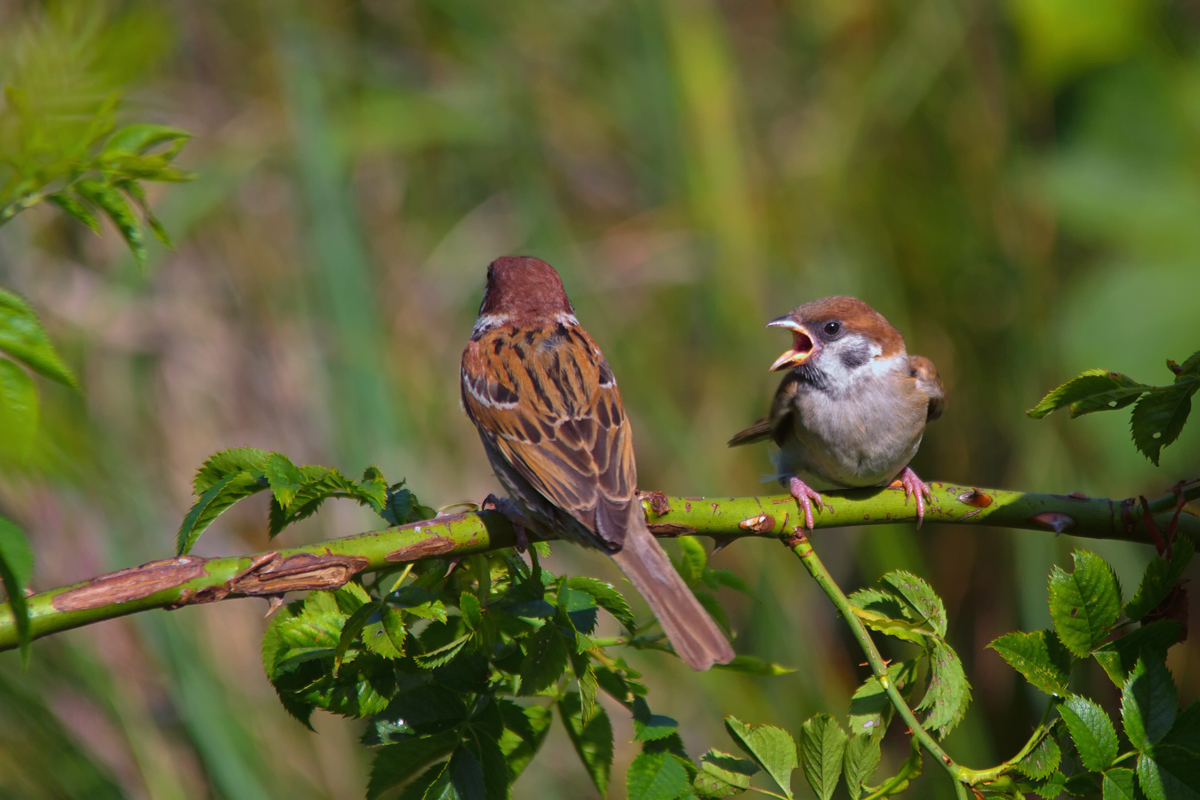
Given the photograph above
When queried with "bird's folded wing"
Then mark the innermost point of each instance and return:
(928, 381)
(551, 408)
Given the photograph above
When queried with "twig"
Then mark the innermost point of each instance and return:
(802, 547)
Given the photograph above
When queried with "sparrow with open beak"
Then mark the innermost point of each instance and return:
(551, 419)
(853, 406)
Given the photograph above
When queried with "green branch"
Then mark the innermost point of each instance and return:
(800, 545)
(187, 580)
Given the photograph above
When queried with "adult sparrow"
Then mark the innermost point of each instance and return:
(551, 419)
(853, 406)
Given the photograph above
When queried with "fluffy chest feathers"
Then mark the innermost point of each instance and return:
(858, 432)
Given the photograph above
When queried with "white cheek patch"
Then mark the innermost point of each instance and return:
(844, 370)
(884, 366)
(568, 319)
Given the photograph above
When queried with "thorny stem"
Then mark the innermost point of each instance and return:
(188, 580)
(802, 547)
(977, 776)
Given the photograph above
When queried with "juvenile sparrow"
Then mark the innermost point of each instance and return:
(551, 419)
(853, 406)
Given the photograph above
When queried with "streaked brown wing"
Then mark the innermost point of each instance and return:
(928, 381)
(547, 401)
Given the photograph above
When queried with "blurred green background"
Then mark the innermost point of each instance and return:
(1015, 185)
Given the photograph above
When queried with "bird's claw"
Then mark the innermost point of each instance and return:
(914, 486)
(513, 514)
(805, 497)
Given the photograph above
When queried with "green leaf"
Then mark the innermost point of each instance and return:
(372, 489)
(1159, 579)
(579, 609)
(1159, 417)
(1169, 773)
(920, 597)
(220, 496)
(496, 776)
(1119, 656)
(400, 506)
(23, 338)
(465, 779)
(870, 708)
(1093, 390)
(771, 748)
(440, 656)
(74, 209)
(228, 462)
(693, 560)
(822, 746)
(384, 632)
(909, 771)
(16, 567)
(722, 775)
(1039, 656)
(1084, 604)
(860, 762)
(151, 169)
(423, 788)
(730, 580)
(18, 412)
(1191, 366)
(588, 687)
(110, 201)
(1185, 732)
(525, 729)
(1043, 760)
(948, 693)
(593, 739)
(472, 614)
(1149, 702)
(885, 604)
(1119, 784)
(424, 708)
(753, 665)
(137, 139)
(649, 727)
(320, 484)
(284, 478)
(606, 597)
(1091, 731)
(302, 632)
(397, 763)
(350, 631)
(547, 655)
(1051, 787)
(656, 776)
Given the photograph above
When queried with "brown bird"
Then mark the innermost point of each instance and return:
(551, 419)
(853, 406)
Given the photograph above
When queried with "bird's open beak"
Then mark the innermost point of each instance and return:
(802, 344)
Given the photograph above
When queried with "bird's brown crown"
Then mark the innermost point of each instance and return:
(856, 316)
(523, 285)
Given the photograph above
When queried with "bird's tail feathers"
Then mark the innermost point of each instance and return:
(695, 636)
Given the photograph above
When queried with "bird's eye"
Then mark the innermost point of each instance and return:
(832, 328)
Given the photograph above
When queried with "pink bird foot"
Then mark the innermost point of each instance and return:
(513, 514)
(915, 486)
(805, 497)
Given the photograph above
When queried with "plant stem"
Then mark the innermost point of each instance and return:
(977, 776)
(325, 565)
(802, 547)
